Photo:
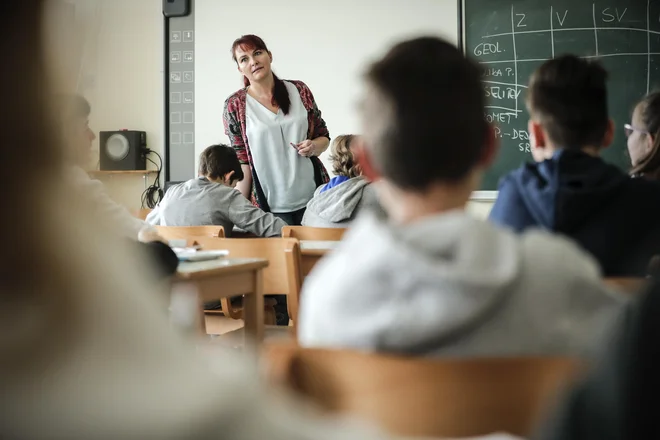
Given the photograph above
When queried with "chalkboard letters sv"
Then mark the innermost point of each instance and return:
(609, 17)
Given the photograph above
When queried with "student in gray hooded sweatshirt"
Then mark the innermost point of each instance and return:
(427, 278)
(338, 202)
(212, 199)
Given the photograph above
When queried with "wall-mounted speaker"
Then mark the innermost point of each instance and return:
(123, 150)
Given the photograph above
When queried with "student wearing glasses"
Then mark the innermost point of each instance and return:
(644, 138)
(571, 190)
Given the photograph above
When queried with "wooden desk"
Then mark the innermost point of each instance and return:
(312, 251)
(221, 278)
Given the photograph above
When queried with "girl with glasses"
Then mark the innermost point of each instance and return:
(643, 138)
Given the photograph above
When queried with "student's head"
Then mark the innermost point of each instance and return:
(74, 120)
(423, 120)
(219, 164)
(343, 155)
(567, 103)
(644, 137)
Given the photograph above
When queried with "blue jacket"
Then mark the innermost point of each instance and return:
(613, 216)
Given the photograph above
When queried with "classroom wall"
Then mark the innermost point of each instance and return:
(122, 72)
(122, 76)
(326, 44)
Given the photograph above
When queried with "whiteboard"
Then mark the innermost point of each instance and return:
(328, 45)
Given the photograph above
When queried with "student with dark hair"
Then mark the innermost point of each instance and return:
(211, 199)
(427, 278)
(573, 191)
(73, 118)
(644, 138)
(338, 202)
(277, 131)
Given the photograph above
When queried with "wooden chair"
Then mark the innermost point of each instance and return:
(282, 276)
(627, 285)
(310, 233)
(190, 233)
(141, 213)
(417, 397)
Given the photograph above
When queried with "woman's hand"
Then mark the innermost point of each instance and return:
(306, 148)
(312, 147)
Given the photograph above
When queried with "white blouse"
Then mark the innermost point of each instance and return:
(286, 178)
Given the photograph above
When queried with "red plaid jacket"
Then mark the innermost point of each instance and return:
(234, 120)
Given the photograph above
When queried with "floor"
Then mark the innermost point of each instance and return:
(229, 332)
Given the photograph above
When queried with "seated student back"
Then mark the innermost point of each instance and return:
(211, 199)
(572, 190)
(338, 202)
(427, 278)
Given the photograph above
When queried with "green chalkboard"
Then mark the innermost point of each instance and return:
(511, 38)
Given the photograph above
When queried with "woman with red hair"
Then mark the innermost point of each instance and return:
(278, 133)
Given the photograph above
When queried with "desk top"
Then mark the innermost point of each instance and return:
(220, 266)
(317, 247)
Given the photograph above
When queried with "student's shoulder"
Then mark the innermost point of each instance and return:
(364, 252)
(557, 254)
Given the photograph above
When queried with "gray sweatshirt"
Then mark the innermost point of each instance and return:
(338, 206)
(199, 202)
(454, 285)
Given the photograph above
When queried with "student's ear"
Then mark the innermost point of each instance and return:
(536, 134)
(228, 178)
(650, 141)
(270, 54)
(609, 134)
(491, 147)
(363, 158)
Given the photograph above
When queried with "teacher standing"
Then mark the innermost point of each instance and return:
(278, 133)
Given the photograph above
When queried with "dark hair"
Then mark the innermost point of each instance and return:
(280, 93)
(568, 97)
(649, 110)
(343, 162)
(436, 130)
(218, 160)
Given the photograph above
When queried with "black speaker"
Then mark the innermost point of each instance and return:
(123, 150)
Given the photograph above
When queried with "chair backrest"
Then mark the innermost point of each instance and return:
(626, 285)
(190, 233)
(310, 233)
(283, 274)
(424, 397)
(141, 213)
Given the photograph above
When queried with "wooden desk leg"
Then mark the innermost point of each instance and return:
(253, 315)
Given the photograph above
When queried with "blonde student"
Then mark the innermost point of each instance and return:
(427, 278)
(211, 199)
(338, 202)
(86, 351)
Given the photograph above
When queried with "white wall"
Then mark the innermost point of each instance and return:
(122, 76)
(122, 71)
(326, 44)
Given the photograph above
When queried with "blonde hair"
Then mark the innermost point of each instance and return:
(343, 160)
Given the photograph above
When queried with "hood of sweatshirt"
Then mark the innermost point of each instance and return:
(339, 203)
(563, 193)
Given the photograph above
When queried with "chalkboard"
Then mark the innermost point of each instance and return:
(511, 38)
